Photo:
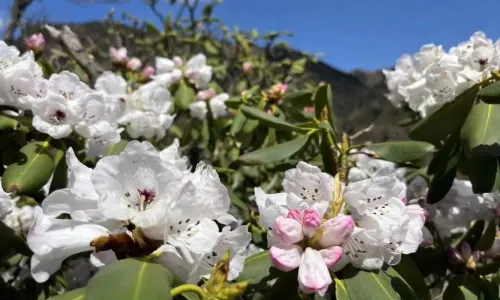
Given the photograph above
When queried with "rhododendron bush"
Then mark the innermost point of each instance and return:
(192, 161)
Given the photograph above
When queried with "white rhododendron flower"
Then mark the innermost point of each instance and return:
(366, 166)
(216, 103)
(432, 77)
(380, 228)
(114, 89)
(21, 81)
(150, 190)
(17, 218)
(460, 206)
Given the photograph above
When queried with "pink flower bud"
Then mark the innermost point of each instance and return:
(336, 230)
(288, 231)
(270, 112)
(247, 67)
(118, 56)
(36, 42)
(313, 273)
(295, 214)
(331, 255)
(134, 64)
(244, 92)
(405, 201)
(206, 95)
(283, 88)
(285, 257)
(148, 72)
(309, 109)
(311, 221)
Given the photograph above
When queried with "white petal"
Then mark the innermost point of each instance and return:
(285, 257)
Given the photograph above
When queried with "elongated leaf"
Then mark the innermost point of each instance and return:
(487, 237)
(323, 98)
(408, 271)
(446, 120)
(32, 170)
(491, 93)
(481, 132)
(444, 166)
(482, 172)
(184, 96)
(60, 178)
(298, 98)
(238, 122)
(78, 294)
(364, 285)
(401, 152)
(328, 154)
(118, 147)
(8, 123)
(130, 279)
(462, 287)
(258, 268)
(276, 153)
(269, 120)
(340, 290)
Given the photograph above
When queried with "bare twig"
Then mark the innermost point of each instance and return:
(362, 131)
(69, 40)
(18, 9)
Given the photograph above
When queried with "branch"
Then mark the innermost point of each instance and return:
(69, 40)
(17, 12)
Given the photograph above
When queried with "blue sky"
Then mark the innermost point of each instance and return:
(365, 34)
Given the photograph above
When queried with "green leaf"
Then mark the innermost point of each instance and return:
(7, 123)
(444, 165)
(401, 152)
(323, 98)
(408, 271)
(137, 280)
(150, 28)
(12, 243)
(184, 96)
(298, 98)
(364, 285)
(462, 287)
(60, 178)
(118, 147)
(482, 173)
(233, 103)
(32, 170)
(275, 153)
(487, 237)
(340, 290)
(490, 93)
(445, 120)
(258, 268)
(210, 47)
(480, 133)
(238, 122)
(78, 294)
(328, 154)
(299, 65)
(269, 120)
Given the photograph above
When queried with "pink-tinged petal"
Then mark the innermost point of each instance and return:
(296, 215)
(288, 231)
(336, 230)
(313, 273)
(311, 221)
(405, 201)
(331, 255)
(285, 257)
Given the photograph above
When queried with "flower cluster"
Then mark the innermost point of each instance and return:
(17, 218)
(304, 235)
(139, 202)
(432, 76)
